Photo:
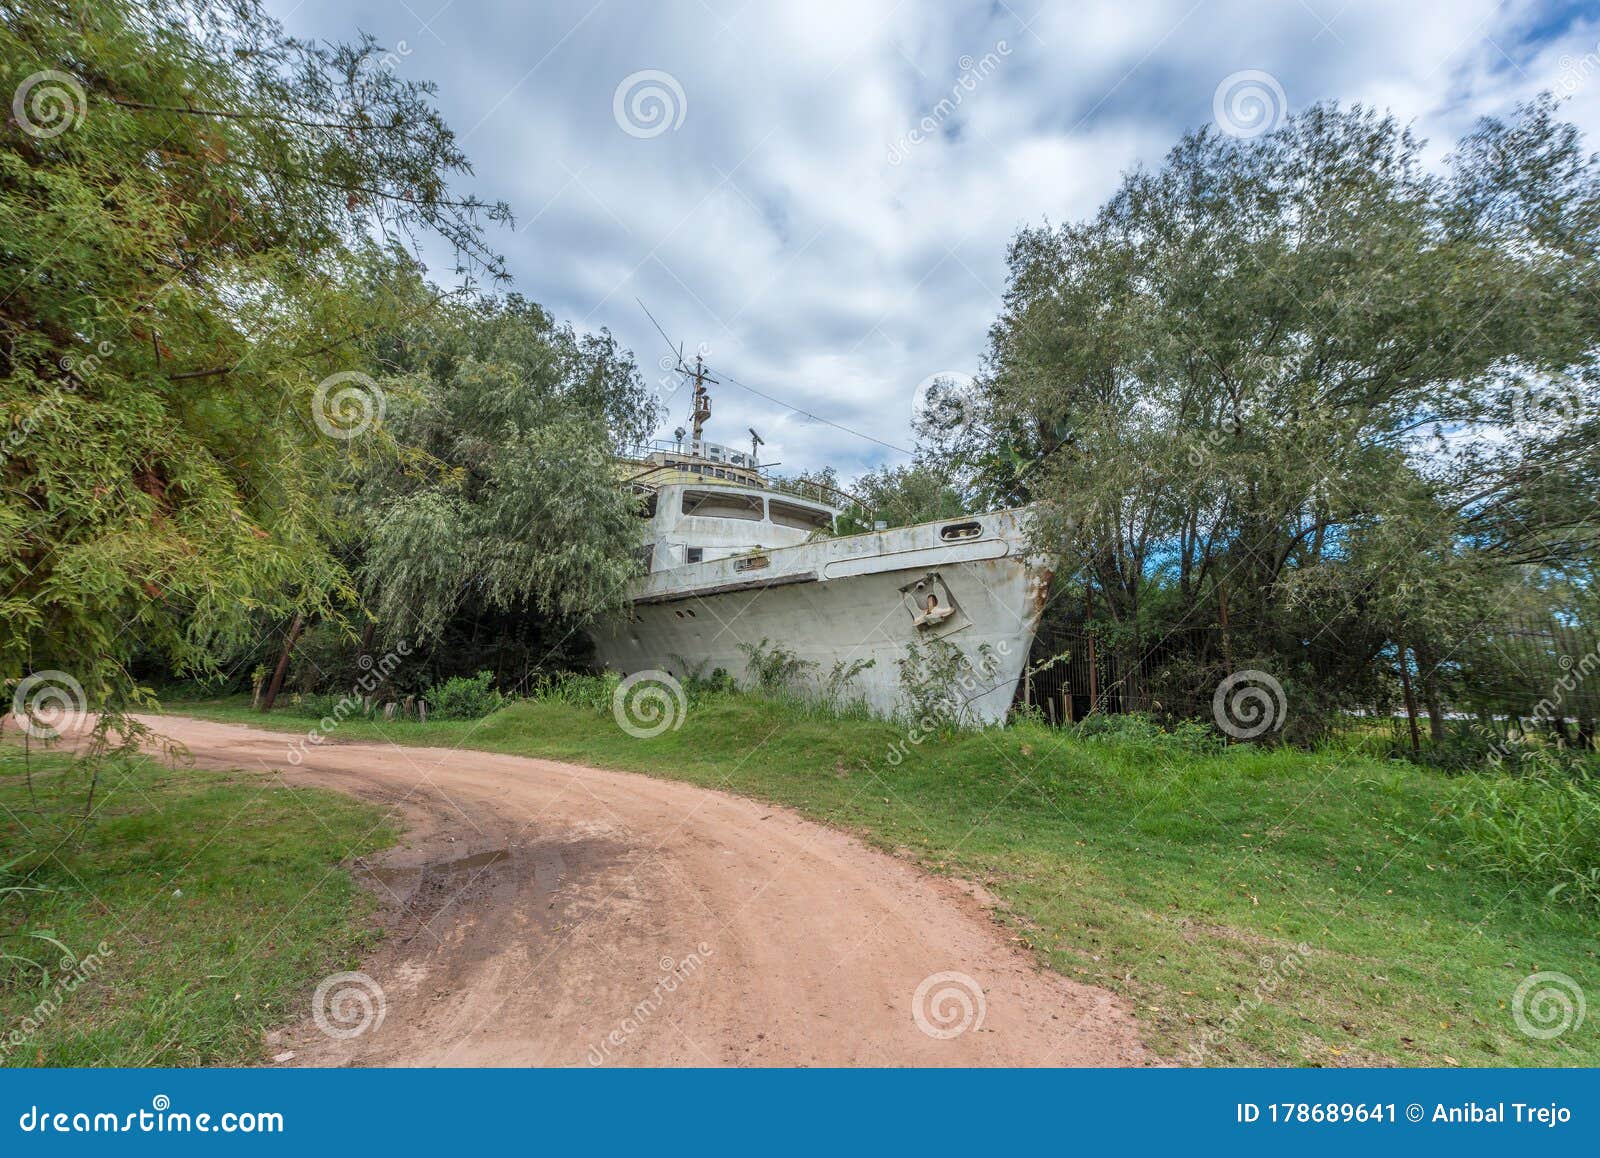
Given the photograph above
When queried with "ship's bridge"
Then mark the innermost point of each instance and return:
(706, 501)
(658, 463)
(698, 523)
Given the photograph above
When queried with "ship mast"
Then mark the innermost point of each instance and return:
(702, 399)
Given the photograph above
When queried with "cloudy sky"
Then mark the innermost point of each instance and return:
(818, 194)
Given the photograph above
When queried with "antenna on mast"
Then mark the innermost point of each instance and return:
(756, 442)
(701, 409)
(702, 398)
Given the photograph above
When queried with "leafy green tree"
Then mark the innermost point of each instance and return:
(185, 208)
(506, 497)
(1306, 393)
(918, 493)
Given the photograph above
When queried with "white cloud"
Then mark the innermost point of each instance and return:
(772, 226)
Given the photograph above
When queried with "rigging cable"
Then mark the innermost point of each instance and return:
(726, 377)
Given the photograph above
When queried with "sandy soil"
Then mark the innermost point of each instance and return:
(542, 913)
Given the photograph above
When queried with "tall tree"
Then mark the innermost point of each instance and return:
(186, 196)
(1307, 392)
(506, 497)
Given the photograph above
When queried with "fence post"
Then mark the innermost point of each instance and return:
(1411, 699)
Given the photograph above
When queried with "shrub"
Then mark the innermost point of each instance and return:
(579, 691)
(1537, 830)
(464, 697)
(718, 683)
(312, 705)
(1140, 729)
(774, 667)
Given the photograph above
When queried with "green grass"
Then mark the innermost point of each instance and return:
(1182, 881)
(204, 908)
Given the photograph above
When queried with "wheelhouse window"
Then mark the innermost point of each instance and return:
(714, 505)
(800, 517)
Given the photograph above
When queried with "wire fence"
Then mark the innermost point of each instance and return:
(1512, 680)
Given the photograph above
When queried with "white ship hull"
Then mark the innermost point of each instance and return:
(843, 600)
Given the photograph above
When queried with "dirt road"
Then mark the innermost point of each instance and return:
(548, 914)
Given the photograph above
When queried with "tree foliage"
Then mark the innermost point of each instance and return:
(192, 210)
(507, 498)
(1306, 393)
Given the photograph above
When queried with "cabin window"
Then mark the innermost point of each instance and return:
(647, 506)
(693, 554)
(715, 505)
(955, 532)
(752, 563)
(794, 515)
(647, 555)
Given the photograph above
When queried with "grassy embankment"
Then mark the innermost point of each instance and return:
(1184, 880)
(198, 910)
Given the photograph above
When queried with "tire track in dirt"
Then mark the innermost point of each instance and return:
(541, 913)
